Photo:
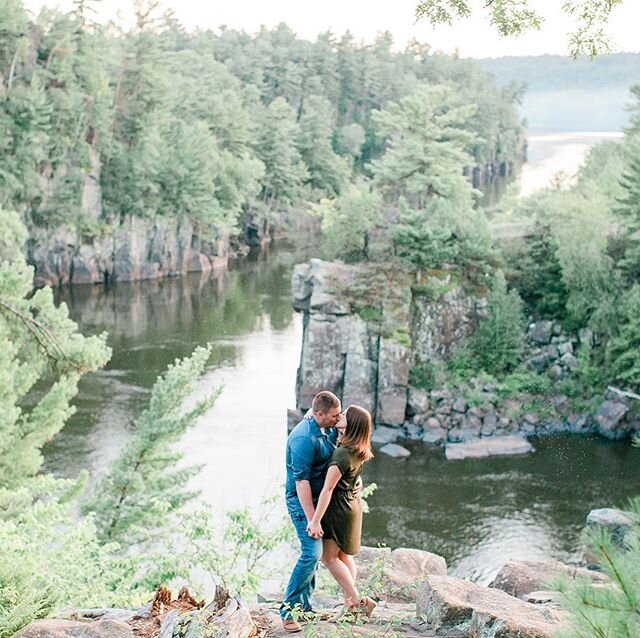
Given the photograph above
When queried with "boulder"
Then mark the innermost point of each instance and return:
(417, 401)
(565, 348)
(489, 446)
(60, 628)
(383, 434)
(609, 417)
(540, 332)
(394, 450)
(459, 405)
(400, 571)
(616, 522)
(412, 431)
(434, 435)
(521, 577)
(449, 603)
(569, 361)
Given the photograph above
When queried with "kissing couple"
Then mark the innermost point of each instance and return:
(325, 455)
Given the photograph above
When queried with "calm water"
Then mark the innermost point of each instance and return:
(476, 513)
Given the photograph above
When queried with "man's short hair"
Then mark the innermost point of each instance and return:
(324, 401)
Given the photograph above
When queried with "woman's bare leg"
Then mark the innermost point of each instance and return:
(348, 560)
(340, 571)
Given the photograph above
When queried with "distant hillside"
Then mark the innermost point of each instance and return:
(571, 95)
(550, 72)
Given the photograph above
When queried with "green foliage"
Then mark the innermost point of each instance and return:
(443, 234)
(426, 375)
(624, 346)
(497, 342)
(535, 271)
(142, 486)
(514, 17)
(348, 221)
(523, 381)
(285, 171)
(611, 610)
(426, 139)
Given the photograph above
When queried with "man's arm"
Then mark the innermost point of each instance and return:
(303, 490)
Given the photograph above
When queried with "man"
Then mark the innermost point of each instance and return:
(309, 448)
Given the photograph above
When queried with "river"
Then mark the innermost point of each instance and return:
(476, 513)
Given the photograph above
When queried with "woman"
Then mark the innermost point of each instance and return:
(338, 515)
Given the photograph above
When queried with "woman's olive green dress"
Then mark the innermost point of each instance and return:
(342, 522)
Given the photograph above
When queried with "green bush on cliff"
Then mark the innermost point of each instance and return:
(497, 342)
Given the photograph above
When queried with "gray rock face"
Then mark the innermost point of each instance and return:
(616, 522)
(136, 249)
(521, 577)
(417, 401)
(383, 434)
(447, 602)
(393, 377)
(495, 446)
(438, 327)
(396, 451)
(609, 417)
(541, 331)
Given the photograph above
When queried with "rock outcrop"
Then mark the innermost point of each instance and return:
(450, 602)
(374, 341)
(399, 572)
(494, 446)
(363, 362)
(522, 577)
(135, 249)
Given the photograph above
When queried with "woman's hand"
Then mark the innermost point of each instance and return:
(314, 529)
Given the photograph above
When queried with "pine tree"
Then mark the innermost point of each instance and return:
(285, 171)
(327, 170)
(497, 341)
(143, 488)
(628, 209)
(611, 610)
(623, 349)
(426, 140)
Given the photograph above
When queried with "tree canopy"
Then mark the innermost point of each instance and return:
(514, 17)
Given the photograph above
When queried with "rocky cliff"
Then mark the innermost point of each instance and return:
(365, 353)
(365, 337)
(137, 248)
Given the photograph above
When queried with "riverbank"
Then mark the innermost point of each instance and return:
(415, 598)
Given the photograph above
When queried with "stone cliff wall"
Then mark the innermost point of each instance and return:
(367, 360)
(357, 359)
(136, 249)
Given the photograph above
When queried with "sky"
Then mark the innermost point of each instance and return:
(473, 37)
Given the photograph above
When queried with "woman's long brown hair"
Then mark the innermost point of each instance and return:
(357, 435)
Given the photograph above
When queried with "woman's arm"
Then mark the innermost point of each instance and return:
(334, 474)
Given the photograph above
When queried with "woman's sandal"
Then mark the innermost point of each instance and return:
(367, 605)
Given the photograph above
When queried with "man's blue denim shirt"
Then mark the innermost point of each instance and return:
(308, 453)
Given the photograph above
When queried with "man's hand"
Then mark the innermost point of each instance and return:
(315, 530)
(357, 488)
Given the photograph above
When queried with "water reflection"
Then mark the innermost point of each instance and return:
(150, 324)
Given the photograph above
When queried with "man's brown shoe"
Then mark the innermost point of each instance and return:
(290, 625)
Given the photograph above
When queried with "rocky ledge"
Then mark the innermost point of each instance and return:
(415, 599)
(137, 248)
(362, 341)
